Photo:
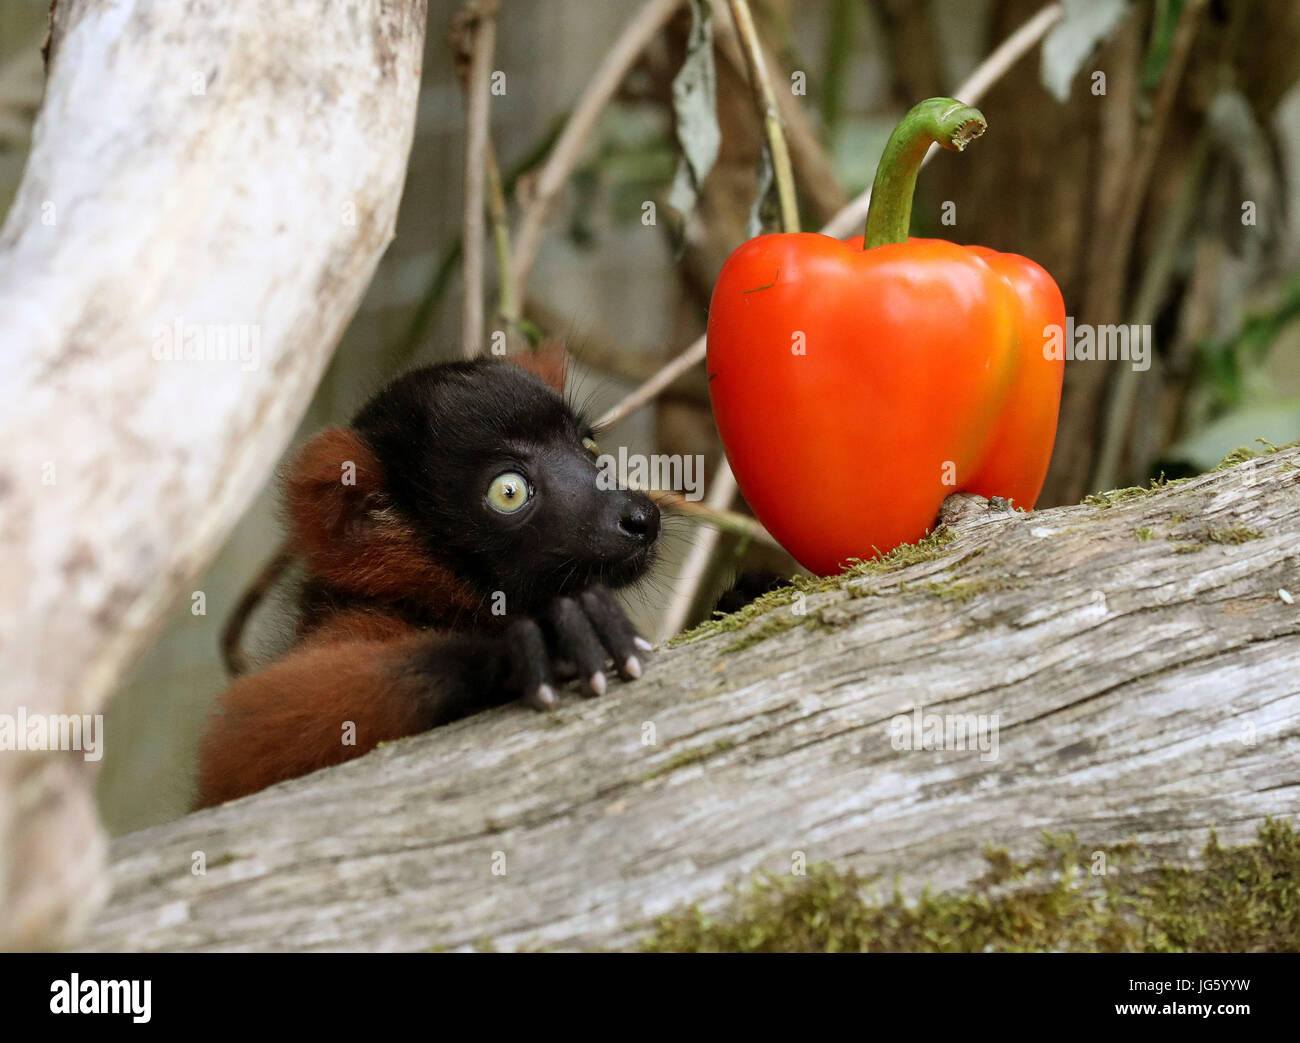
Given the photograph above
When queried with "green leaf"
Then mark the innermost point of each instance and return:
(1162, 35)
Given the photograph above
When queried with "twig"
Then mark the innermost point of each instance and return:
(724, 520)
(1106, 471)
(722, 490)
(816, 185)
(507, 303)
(610, 357)
(232, 651)
(765, 99)
(839, 48)
(430, 301)
(815, 179)
(1103, 286)
(1151, 291)
(692, 356)
(854, 216)
(625, 51)
(476, 149)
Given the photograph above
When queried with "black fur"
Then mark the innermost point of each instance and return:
(445, 432)
(401, 635)
(748, 587)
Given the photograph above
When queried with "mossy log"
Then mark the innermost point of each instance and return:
(209, 189)
(1140, 653)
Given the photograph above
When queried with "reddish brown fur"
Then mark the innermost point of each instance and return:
(289, 719)
(349, 666)
(357, 624)
(348, 537)
(549, 361)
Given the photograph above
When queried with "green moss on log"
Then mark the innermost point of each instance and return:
(1231, 534)
(932, 546)
(1066, 898)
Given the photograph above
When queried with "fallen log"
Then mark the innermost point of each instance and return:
(209, 189)
(1128, 668)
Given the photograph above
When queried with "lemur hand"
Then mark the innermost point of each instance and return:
(576, 635)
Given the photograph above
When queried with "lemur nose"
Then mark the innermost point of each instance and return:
(640, 520)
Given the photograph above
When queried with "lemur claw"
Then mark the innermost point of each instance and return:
(577, 636)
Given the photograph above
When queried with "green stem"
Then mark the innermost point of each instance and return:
(507, 306)
(936, 120)
(765, 97)
(839, 51)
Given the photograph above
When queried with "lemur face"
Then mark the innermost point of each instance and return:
(492, 469)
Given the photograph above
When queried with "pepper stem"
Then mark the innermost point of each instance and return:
(945, 121)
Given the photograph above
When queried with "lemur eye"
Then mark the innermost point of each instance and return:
(508, 492)
(590, 445)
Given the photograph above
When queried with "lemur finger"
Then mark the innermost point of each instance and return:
(530, 664)
(578, 641)
(615, 630)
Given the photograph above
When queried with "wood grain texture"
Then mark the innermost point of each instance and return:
(1143, 667)
(233, 167)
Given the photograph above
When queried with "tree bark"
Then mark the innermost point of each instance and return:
(1142, 658)
(216, 179)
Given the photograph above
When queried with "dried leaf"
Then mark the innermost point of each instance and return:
(695, 105)
(1076, 36)
(766, 179)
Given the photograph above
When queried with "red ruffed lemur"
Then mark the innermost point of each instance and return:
(458, 553)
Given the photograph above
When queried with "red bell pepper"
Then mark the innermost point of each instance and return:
(857, 384)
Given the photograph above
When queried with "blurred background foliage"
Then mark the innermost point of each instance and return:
(1170, 197)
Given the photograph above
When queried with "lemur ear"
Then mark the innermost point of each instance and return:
(347, 532)
(333, 487)
(549, 361)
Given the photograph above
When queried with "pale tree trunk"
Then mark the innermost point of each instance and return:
(226, 171)
(1142, 660)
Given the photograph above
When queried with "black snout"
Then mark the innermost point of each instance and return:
(639, 520)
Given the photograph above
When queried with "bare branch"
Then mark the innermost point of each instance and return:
(722, 490)
(478, 89)
(144, 398)
(769, 112)
(725, 521)
(560, 163)
(1120, 238)
(507, 304)
(692, 356)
